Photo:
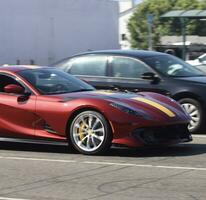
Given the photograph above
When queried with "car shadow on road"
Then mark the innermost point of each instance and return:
(177, 150)
(33, 147)
(170, 151)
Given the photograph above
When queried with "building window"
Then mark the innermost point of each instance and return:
(123, 36)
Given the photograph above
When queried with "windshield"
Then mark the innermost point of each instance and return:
(53, 81)
(172, 66)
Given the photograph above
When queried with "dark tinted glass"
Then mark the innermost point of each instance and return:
(172, 66)
(7, 80)
(91, 66)
(53, 81)
(127, 67)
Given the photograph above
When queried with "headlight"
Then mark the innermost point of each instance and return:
(130, 111)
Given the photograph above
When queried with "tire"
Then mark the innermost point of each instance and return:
(195, 110)
(90, 133)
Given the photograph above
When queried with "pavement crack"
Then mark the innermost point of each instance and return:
(134, 186)
(193, 197)
(48, 179)
(60, 181)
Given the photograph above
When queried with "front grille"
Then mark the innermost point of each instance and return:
(163, 135)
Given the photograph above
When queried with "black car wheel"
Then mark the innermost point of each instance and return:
(90, 133)
(194, 109)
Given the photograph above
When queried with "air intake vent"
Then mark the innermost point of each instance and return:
(48, 128)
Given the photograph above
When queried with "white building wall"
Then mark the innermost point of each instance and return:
(48, 30)
(126, 11)
(127, 8)
(125, 5)
(123, 30)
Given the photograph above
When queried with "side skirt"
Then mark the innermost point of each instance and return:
(33, 141)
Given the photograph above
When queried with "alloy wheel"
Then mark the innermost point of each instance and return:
(88, 132)
(193, 111)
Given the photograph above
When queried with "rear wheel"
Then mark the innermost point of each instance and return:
(194, 109)
(90, 133)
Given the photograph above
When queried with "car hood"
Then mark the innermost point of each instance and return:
(145, 101)
(101, 94)
(199, 79)
(116, 96)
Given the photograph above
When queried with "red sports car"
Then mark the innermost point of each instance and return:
(46, 103)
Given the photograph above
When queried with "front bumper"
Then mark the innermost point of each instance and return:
(165, 135)
(154, 136)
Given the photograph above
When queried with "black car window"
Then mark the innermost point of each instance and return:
(90, 65)
(7, 80)
(127, 67)
(172, 66)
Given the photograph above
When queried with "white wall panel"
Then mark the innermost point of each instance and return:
(48, 30)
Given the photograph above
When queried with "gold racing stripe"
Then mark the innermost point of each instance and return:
(156, 105)
(103, 92)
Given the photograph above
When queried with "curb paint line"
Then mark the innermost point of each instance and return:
(105, 163)
(6, 198)
(147, 166)
(37, 159)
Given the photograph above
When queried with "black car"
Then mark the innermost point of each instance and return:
(134, 71)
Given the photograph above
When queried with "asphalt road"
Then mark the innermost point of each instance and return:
(41, 172)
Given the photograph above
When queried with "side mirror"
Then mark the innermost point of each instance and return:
(14, 89)
(24, 97)
(150, 76)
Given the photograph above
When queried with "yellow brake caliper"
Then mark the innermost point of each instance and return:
(81, 133)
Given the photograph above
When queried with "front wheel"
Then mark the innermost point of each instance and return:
(90, 133)
(194, 109)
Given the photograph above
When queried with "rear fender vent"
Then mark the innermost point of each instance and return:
(48, 128)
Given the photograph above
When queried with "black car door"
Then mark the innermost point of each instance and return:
(125, 74)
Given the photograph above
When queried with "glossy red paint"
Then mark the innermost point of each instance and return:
(48, 116)
(15, 89)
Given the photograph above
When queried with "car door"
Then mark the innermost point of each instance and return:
(126, 75)
(17, 115)
(92, 69)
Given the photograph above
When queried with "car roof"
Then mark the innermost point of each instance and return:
(17, 68)
(132, 53)
(119, 52)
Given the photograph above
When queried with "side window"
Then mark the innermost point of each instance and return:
(127, 67)
(90, 65)
(6, 80)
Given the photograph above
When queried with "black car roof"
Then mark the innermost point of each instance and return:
(132, 53)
